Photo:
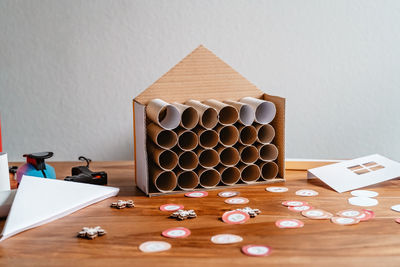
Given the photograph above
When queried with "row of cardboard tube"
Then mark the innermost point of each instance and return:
(210, 112)
(166, 181)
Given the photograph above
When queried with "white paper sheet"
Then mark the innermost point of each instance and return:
(4, 175)
(357, 173)
(39, 201)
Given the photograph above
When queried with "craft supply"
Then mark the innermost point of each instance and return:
(344, 220)
(364, 193)
(246, 112)
(226, 239)
(35, 166)
(294, 203)
(397, 220)
(237, 200)
(165, 115)
(264, 110)
(396, 207)
(187, 180)
(289, 223)
(228, 193)
(4, 172)
(154, 246)
(229, 175)
(235, 217)
(357, 173)
(197, 194)
(184, 214)
(317, 214)
(350, 213)
(277, 189)
(300, 208)
(369, 214)
(363, 201)
(306, 193)
(171, 207)
(122, 204)
(256, 250)
(82, 174)
(91, 233)
(39, 201)
(252, 212)
(176, 232)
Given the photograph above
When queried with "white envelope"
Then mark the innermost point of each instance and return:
(357, 173)
(39, 201)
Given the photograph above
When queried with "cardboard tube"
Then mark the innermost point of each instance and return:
(265, 110)
(248, 154)
(207, 138)
(269, 170)
(209, 178)
(187, 180)
(163, 138)
(165, 115)
(267, 152)
(249, 173)
(165, 159)
(246, 112)
(247, 134)
(227, 114)
(228, 134)
(208, 158)
(229, 175)
(164, 181)
(188, 160)
(265, 133)
(228, 156)
(189, 116)
(187, 140)
(208, 116)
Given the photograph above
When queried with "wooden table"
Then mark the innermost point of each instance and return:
(374, 242)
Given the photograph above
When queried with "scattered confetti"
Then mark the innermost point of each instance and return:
(277, 189)
(228, 193)
(306, 193)
(171, 207)
(289, 223)
(196, 194)
(176, 232)
(256, 250)
(237, 200)
(154, 246)
(226, 239)
(235, 217)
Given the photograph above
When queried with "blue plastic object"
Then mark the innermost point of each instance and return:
(36, 166)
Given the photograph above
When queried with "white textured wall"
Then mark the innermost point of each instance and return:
(69, 69)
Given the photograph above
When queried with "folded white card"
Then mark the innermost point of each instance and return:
(353, 174)
(39, 201)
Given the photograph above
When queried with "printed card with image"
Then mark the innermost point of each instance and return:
(357, 173)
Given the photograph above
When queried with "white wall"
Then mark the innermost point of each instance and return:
(69, 69)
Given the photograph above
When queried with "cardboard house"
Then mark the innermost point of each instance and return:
(200, 76)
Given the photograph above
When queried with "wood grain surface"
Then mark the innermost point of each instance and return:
(372, 243)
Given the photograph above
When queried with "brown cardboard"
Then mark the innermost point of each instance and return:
(188, 160)
(187, 140)
(187, 180)
(249, 173)
(247, 134)
(208, 116)
(163, 114)
(189, 116)
(209, 178)
(228, 156)
(207, 138)
(200, 76)
(248, 154)
(164, 181)
(229, 175)
(246, 113)
(165, 159)
(267, 152)
(227, 114)
(265, 110)
(269, 170)
(208, 158)
(228, 134)
(162, 137)
(265, 133)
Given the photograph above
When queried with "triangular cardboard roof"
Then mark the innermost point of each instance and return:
(201, 75)
(39, 201)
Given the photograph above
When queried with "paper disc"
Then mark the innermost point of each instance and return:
(306, 193)
(237, 200)
(344, 220)
(228, 193)
(196, 194)
(256, 250)
(277, 189)
(300, 208)
(226, 239)
(363, 201)
(154, 246)
(176, 232)
(235, 217)
(364, 193)
(289, 223)
(171, 207)
(294, 203)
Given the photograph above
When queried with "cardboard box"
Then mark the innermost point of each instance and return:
(200, 76)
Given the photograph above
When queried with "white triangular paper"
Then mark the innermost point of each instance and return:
(39, 201)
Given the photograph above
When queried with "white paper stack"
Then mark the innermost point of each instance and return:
(39, 201)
